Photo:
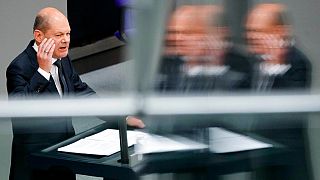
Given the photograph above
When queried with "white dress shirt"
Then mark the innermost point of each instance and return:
(274, 69)
(53, 72)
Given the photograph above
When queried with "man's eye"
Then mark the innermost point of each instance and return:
(58, 35)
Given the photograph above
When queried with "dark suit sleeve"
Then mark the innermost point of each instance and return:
(24, 83)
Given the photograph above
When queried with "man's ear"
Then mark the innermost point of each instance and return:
(38, 36)
(284, 30)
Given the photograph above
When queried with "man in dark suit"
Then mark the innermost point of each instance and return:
(44, 69)
(279, 66)
(198, 57)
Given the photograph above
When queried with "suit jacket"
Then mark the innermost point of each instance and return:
(24, 81)
(172, 77)
(33, 134)
(298, 77)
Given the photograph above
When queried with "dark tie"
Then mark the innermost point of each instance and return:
(62, 79)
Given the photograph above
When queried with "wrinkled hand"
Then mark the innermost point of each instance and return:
(44, 54)
(135, 122)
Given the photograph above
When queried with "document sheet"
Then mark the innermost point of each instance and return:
(107, 142)
(224, 141)
(151, 143)
(104, 143)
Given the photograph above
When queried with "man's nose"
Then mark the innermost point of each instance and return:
(65, 39)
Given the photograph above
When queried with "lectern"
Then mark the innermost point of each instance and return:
(115, 166)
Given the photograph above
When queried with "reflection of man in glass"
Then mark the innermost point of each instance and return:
(198, 56)
(279, 66)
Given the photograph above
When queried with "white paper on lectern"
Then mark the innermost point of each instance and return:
(151, 143)
(104, 143)
(224, 141)
(107, 142)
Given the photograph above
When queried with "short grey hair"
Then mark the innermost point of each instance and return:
(41, 23)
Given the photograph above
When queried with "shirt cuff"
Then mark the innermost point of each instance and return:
(44, 73)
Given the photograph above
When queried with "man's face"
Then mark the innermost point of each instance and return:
(186, 41)
(193, 36)
(265, 39)
(60, 33)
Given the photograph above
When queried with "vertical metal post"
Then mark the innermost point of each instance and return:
(122, 124)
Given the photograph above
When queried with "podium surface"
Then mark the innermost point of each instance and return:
(202, 161)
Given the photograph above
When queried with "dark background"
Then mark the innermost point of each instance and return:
(91, 21)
